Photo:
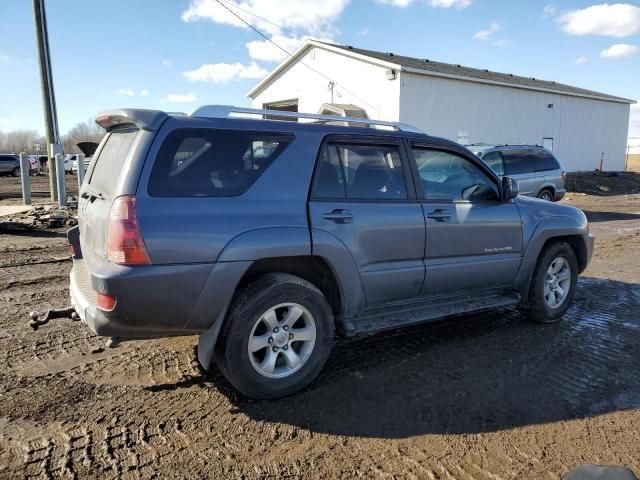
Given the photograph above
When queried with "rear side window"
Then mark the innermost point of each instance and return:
(544, 161)
(213, 163)
(518, 162)
(364, 172)
(111, 160)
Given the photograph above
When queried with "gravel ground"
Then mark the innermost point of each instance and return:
(484, 396)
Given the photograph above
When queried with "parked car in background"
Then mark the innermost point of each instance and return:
(266, 237)
(88, 148)
(34, 164)
(68, 163)
(538, 172)
(9, 164)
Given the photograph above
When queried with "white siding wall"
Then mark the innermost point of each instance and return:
(368, 82)
(582, 128)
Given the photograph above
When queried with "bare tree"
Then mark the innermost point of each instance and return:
(88, 131)
(21, 141)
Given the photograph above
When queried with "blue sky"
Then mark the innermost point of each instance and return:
(175, 55)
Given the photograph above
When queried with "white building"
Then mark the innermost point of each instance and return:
(464, 104)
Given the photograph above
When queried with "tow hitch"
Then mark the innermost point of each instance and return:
(38, 319)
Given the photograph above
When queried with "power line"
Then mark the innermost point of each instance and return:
(289, 54)
(264, 20)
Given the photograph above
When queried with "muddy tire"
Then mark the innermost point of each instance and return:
(546, 194)
(553, 285)
(16, 172)
(276, 338)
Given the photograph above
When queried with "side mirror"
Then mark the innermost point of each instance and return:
(510, 188)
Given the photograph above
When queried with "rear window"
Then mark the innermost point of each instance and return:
(111, 160)
(213, 163)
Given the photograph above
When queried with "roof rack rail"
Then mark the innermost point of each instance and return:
(228, 111)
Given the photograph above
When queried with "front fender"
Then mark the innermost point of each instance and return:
(544, 230)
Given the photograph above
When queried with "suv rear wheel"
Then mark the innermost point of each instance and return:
(276, 338)
(546, 194)
(16, 172)
(554, 283)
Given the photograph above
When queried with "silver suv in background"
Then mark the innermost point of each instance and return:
(538, 172)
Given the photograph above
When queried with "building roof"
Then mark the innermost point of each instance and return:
(430, 67)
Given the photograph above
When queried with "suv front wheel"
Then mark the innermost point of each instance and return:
(554, 283)
(276, 338)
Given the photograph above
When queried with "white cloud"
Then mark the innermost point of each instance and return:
(4, 59)
(483, 35)
(364, 32)
(549, 10)
(503, 42)
(181, 98)
(611, 20)
(127, 92)
(167, 63)
(309, 16)
(581, 60)
(268, 52)
(460, 4)
(395, 3)
(225, 72)
(620, 50)
(144, 92)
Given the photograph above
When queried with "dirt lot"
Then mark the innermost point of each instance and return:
(486, 396)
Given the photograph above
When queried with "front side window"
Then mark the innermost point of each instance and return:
(447, 176)
(360, 172)
(494, 160)
(213, 163)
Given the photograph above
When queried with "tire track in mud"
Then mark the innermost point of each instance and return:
(139, 410)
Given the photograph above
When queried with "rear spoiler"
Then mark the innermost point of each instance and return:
(143, 119)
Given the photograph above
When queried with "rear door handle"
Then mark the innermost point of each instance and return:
(339, 215)
(440, 215)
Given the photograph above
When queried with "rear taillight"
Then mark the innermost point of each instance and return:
(564, 176)
(106, 302)
(125, 244)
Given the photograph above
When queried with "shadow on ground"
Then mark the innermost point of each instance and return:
(610, 216)
(477, 373)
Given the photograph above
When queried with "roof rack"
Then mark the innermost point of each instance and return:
(228, 111)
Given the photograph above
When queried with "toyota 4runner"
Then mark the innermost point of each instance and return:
(266, 237)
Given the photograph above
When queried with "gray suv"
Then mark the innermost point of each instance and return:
(266, 237)
(9, 164)
(537, 170)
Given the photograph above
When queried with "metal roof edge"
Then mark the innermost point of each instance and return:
(466, 78)
(255, 91)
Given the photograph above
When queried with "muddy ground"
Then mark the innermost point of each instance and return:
(485, 396)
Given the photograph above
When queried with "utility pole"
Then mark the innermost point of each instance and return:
(48, 95)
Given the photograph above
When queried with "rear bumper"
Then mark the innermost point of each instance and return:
(559, 195)
(154, 300)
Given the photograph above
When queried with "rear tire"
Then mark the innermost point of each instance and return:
(553, 285)
(546, 194)
(16, 172)
(276, 338)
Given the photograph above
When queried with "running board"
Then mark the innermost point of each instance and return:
(406, 315)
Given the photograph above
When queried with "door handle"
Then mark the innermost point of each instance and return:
(440, 215)
(339, 215)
